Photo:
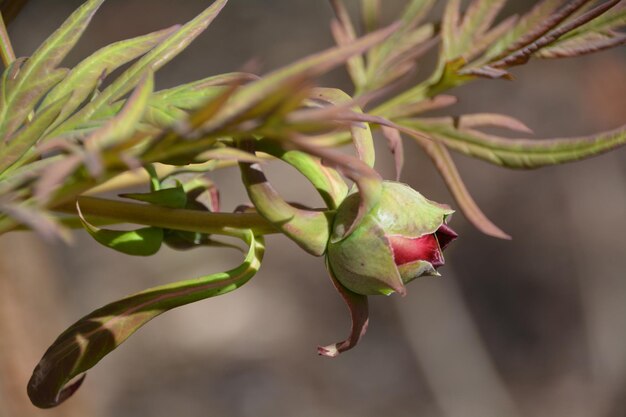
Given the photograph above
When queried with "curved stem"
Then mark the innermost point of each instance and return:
(178, 219)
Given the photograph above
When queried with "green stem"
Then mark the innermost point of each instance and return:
(6, 49)
(178, 219)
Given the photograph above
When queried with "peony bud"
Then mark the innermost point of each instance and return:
(400, 239)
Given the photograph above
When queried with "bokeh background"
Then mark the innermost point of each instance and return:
(531, 327)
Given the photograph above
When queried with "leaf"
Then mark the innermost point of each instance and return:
(394, 142)
(470, 121)
(520, 153)
(39, 221)
(446, 167)
(90, 339)
(366, 179)
(405, 39)
(29, 87)
(361, 133)
(83, 79)
(141, 242)
(23, 140)
(249, 96)
(344, 34)
(307, 228)
(154, 60)
(464, 38)
(23, 103)
(326, 180)
(529, 27)
(192, 95)
(522, 55)
(123, 125)
(582, 45)
(167, 197)
(359, 315)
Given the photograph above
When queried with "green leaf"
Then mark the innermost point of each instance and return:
(154, 60)
(166, 197)
(120, 128)
(83, 79)
(29, 86)
(23, 140)
(461, 36)
(366, 179)
(141, 242)
(326, 180)
(582, 45)
(249, 96)
(309, 229)
(614, 19)
(519, 153)
(23, 103)
(518, 35)
(344, 34)
(361, 133)
(94, 336)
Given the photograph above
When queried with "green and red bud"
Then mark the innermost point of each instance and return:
(400, 239)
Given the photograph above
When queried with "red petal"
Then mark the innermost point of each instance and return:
(445, 235)
(424, 248)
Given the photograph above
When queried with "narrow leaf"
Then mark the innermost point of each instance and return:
(167, 197)
(23, 140)
(22, 104)
(43, 61)
(154, 60)
(124, 124)
(83, 79)
(248, 96)
(394, 142)
(520, 153)
(94, 336)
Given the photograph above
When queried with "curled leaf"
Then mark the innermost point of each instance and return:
(141, 242)
(308, 228)
(94, 336)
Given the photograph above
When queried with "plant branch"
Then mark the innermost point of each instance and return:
(178, 219)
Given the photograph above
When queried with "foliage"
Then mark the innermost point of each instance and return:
(66, 134)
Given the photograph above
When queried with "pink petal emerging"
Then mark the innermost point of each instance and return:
(424, 248)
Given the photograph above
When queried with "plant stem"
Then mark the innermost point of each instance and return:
(6, 49)
(178, 219)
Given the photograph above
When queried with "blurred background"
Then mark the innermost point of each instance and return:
(535, 326)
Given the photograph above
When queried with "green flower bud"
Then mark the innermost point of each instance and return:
(399, 240)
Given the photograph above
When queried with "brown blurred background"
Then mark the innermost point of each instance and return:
(531, 327)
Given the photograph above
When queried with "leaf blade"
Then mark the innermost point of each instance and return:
(94, 336)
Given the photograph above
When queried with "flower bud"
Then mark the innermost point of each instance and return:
(400, 239)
